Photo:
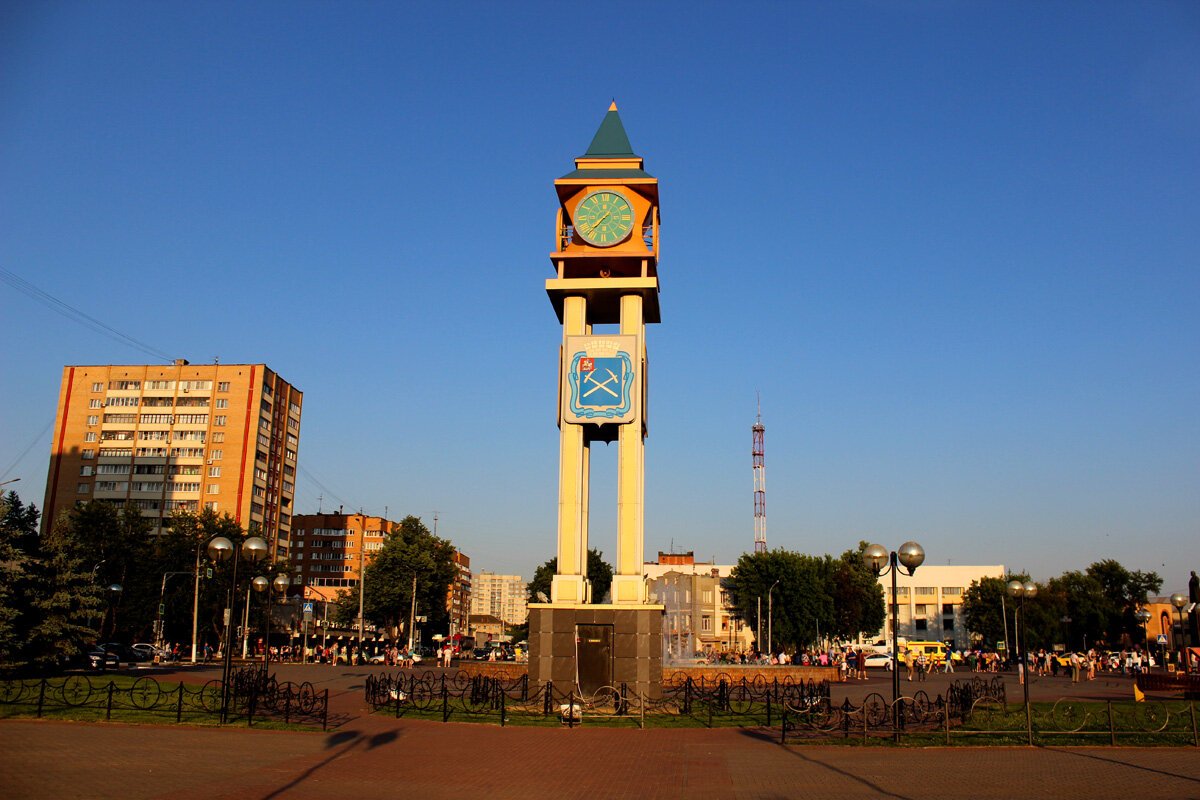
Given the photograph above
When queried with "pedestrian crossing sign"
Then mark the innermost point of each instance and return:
(1162, 638)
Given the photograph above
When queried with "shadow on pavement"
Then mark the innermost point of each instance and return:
(1119, 762)
(874, 787)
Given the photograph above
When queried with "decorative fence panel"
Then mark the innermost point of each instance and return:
(254, 696)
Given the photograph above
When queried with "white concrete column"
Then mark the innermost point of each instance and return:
(628, 586)
(570, 584)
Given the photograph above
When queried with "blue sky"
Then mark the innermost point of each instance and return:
(953, 245)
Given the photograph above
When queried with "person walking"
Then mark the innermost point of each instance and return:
(948, 666)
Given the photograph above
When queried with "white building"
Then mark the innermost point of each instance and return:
(930, 602)
(500, 596)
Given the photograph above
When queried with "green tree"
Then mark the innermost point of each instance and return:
(600, 573)
(409, 550)
(795, 608)
(983, 607)
(182, 548)
(66, 602)
(18, 570)
(857, 596)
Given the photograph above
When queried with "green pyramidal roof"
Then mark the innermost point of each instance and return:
(610, 140)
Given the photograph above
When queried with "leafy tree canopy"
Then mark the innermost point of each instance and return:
(600, 573)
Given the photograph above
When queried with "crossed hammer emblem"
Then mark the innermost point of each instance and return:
(589, 378)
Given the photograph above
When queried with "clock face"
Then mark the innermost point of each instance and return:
(604, 218)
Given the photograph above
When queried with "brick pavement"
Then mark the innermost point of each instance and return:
(371, 756)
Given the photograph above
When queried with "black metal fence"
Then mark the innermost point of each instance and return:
(711, 702)
(255, 696)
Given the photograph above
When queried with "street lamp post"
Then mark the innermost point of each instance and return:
(770, 609)
(220, 549)
(1143, 617)
(1179, 600)
(910, 555)
(261, 585)
(114, 596)
(1020, 591)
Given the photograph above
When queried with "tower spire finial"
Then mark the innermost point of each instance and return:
(613, 105)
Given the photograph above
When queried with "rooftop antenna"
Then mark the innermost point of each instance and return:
(320, 501)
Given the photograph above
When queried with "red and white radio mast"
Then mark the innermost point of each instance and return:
(760, 484)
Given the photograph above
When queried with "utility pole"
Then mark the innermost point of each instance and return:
(196, 608)
(412, 616)
(362, 584)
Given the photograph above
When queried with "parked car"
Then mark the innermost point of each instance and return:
(96, 658)
(124, 652)
(149, 651)
(882, 660)
(480, 653)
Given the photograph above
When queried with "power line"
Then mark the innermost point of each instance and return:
(70, 312)
(25, 452)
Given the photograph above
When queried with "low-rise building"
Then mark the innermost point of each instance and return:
(930, 602)
(698, 615)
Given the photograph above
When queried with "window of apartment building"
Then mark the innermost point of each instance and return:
(82, 488)
(93, 419)
(264, 441)
(214, 488)
(260, 455)
(192, 419)
(160, 385)
(147, 419)
(293, 424)
(219, 420)
(119, 419)
(124, 385)
(211, 505)
(128, 402)
(218, 436)
(216, 454)
(290, 455)
(952, 590)
(948, 609)
(260, 474)
(97, 387)
(90, 436)
(222, 402)
(223, 386)
(85, 471)
(112, 486)
(921, 624)
(199, 386)
(88, 453)
(112, 469)
(214, 472)
(926, 591)
(154, 436)
(96, 403)
(146, 469)
(117, 452)
(705, 623)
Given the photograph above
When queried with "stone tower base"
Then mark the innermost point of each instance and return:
(580, 647)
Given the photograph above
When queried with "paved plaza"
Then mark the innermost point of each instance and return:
(370, 756)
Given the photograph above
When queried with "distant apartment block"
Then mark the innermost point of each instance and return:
(328, 550)
(458, 599)
(500, 596)
(184, 436)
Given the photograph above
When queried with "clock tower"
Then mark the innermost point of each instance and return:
(605, 291)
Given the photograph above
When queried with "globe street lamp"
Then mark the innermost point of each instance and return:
(114, 597)
(1020, 590)
(880, 561)
(220, 549)
(1179, 600)
(261, 584)
(1143, 616)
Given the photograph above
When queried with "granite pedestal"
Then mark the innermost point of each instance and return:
(636, 646)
